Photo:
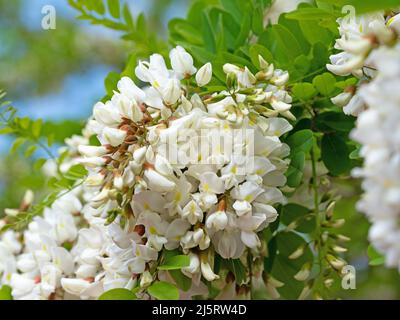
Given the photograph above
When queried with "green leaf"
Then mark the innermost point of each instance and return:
(301, 141)
(315, 33)
(335, 120)
(335, 154)
(232, 7)
(237, 268)
(294, 173)
(304, 91)
(244, 31)
(99, 7)
(281, 42)
(24, 122)
(118, 294)
(310, 14)
(325, 83)
(362, 6)
(114, 8)
(5, 293)
(375, 258)
(59, 131)
(141, 24)
(257, 23)
(175, 262)
(258, 49)
(76, 172)
(284, 269)
(272, 250)
(183, 30)
(30, 151)
(128, 16)
(355, 154)
(300, 215)
(300, 144)
(37, 128)
(111, 82)
(162, 290)
(208, 33)
(183, 282)
(17, 144)
(94, 141)
(6, 130)
(39, 163)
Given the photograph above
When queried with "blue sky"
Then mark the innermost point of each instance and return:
(81, 90)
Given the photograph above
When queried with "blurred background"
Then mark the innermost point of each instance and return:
(58, 75)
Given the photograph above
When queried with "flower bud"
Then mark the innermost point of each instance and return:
(27, 200)
(146, 279)
(203, 76)
(297, 253)
(335, 262)
(231, 80)
(263, 64)
(342, 99)
(182, 62)
(114, 136)
(304, 272)
(92, 151)
(171, 92)
(394, 23)
(217, 220)
(11, 212)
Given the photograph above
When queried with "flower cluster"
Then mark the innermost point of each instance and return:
(371, 52)
(179, 166)
(34, 268)
(380, 149)
(360, 36)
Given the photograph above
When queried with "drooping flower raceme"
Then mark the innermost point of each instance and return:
(177, 167)
(378, 132)
(370, 47)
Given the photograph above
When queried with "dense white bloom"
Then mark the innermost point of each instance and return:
(174, 171)
(370, 50)
(380, 149)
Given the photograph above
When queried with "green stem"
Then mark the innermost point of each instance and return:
(250, 265)
(318, 229)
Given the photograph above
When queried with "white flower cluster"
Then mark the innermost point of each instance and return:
(360, 36)
(371, 52)
(379, 133)
(33, 268)
(143, 193)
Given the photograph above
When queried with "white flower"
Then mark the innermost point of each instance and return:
(182, 62)
(192, 212)
(158, 182)
(204, 74)
(277, 8)
(171, 92)
(114, 136)
(244, 194)
(74, 286)
(217, 220)
(24, 288)
(128, 88)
